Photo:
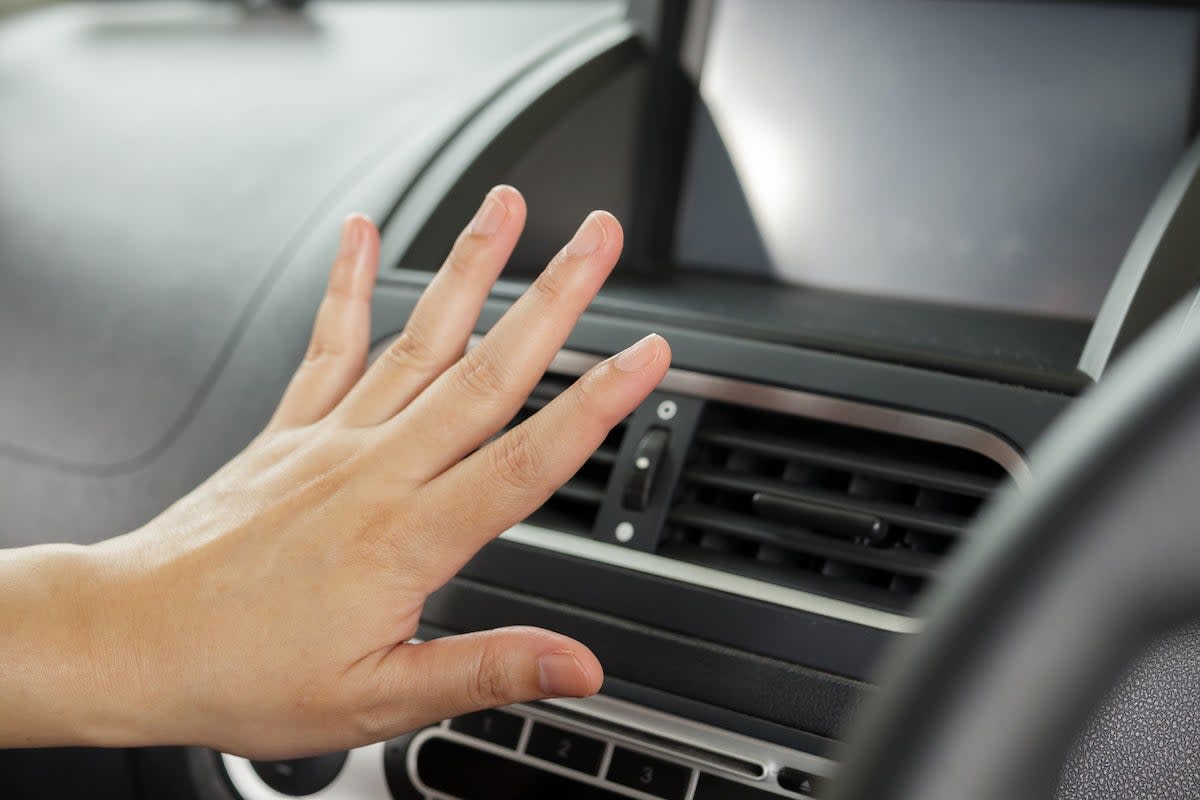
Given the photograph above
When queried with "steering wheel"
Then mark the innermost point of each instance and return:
(1059, 589)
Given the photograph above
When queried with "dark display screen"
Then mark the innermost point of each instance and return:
(999, 155)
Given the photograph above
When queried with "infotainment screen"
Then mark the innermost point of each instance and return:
(985, 154)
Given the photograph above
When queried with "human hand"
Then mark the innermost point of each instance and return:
(268, 612)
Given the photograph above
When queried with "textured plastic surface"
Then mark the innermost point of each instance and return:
(160, 165)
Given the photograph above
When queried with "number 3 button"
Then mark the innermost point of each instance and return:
(648, 774)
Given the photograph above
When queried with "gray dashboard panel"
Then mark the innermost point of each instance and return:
(155, 162)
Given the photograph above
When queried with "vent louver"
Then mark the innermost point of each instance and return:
(574, 506)
(849, 513)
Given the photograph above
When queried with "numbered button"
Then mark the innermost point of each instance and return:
(565, 748)
(497, 727)
(648, 774)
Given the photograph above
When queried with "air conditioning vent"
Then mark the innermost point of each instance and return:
(573, 508)
(850, 513)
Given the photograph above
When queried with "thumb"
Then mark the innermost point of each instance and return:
(455, 675)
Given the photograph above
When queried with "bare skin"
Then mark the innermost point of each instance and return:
(269, 612)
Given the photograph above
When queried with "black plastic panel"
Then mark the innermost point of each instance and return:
(830, 645)
(74, 773)
(686, 666)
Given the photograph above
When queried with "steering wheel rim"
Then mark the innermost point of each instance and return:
(1058, 590)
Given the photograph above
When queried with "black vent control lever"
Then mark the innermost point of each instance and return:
(649, 455)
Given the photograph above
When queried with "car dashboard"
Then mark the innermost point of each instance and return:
(743, 550)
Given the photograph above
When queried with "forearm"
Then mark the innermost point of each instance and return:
(59, 681)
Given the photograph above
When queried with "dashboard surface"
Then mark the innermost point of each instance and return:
(162, 250)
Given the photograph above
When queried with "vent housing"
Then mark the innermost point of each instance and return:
(855, 514)
(834, 509)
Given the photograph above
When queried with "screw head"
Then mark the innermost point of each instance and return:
(667, 409)
(624, 531)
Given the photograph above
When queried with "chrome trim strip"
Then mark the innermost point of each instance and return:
(727, 582)
(828, 409)
(772, 757)
(691, 736)
(806, 404)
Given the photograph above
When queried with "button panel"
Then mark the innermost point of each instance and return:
(466, 773)
(497, 727)
(594, 749)
(571, 750)
(649, 774)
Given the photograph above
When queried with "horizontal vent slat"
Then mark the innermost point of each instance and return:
(787, 575)
(581, 491)
(901, 562)
(905, 516)
(873, 464)
(605, 455)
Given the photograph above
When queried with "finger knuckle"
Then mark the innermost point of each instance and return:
(319, 352)
(549, 286)
(491, 684)
(323, 348)
(516, 461)
(411, 349)
(480, 375)
(462, 255)
(586, 392)
(375, 720)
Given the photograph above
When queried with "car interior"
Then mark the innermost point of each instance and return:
(912, 514)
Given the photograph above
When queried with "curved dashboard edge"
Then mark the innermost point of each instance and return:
(379, 178)
(446, 193)
(1159, 267)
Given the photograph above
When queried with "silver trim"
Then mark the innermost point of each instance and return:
(772, 757)
(806, 404)
(666, 728)
(727, 582)
(828, 409)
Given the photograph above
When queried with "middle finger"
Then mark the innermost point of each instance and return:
(486, 387)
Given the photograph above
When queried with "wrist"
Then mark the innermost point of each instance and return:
(66, 681)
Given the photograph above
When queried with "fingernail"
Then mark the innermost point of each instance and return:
(589, 236)
(489, 217)
(638, 356)
(560, 675)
